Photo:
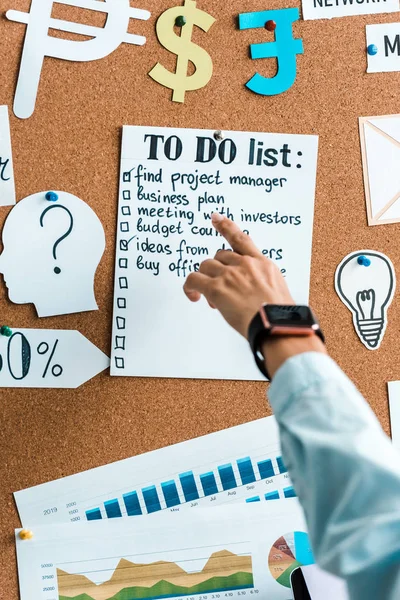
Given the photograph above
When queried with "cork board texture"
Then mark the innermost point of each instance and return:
(72, 143)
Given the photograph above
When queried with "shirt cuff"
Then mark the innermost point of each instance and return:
(299, 373)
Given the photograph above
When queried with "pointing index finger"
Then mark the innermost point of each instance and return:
(238, 240)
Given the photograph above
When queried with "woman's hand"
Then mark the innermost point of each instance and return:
(237, 283)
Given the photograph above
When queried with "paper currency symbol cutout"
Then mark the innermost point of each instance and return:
(284, 49)
(39, 44)
(51, 254)
(180, 82)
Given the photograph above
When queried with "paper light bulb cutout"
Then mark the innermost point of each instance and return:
(367, 287)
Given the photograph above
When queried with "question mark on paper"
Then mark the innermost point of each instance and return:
(57, 270)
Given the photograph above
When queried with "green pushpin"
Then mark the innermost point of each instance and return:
(6, 331)
(180, 21)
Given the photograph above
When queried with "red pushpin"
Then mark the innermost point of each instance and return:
(270, 25)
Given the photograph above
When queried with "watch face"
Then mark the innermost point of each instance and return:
(296, 316)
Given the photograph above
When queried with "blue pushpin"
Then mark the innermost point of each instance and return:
(372, 50)
(51, 196)
(364, 261)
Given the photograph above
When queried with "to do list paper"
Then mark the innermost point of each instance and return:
(170, 183)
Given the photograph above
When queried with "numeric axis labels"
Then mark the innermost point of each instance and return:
(49, 358)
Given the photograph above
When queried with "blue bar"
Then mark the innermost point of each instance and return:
(254, 499)
(132, 505)
(209, 484)
(112, 509)
(170, 493)
(93, 514)
(281, 465)
(272, 496)
(246, 470)
(151, 499)
(227, 477)
(289, 492)
(303, 550)
(266, 469)
(189, 486)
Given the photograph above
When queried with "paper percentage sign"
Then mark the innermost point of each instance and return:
(43, 349)
(32, 358)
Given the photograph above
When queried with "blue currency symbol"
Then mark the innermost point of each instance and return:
(284, 49)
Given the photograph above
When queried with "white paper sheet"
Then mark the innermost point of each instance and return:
(7, 184)
(268, 188)
(394, 408)
(51, 251)
(48, 358)
(249, 455)
(324, 586)
(327, 9)
(386, 38)
(250, 550)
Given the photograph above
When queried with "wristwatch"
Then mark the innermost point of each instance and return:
(276, 320)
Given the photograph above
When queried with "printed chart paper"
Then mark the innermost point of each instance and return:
(7, 184)
(394, 409)
(327, 9)
(171, 182)
(386, 38)
(380, 150)
(237, 464)
(48, 358)
(241, 550)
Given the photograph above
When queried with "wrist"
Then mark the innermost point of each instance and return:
(277, 349)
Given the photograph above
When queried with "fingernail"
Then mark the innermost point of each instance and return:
(216, 217)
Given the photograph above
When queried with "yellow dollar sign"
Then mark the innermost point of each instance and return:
(180, 82)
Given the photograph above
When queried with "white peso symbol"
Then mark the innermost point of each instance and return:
(39, 44)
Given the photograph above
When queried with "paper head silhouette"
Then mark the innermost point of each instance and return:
(51, 253)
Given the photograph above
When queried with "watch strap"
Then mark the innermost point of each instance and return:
(258, 333)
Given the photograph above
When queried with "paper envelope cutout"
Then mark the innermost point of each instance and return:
(380, 149)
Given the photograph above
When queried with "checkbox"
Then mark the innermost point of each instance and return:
(121, 302)
(123, 283)
(127, 177)
(126, 211)
(120, 342)
(124, 226)
(126, 195)
(123, 245)
(123, 263)
(119, 362)
(121, 322)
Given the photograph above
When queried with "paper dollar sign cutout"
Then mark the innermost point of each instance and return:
(180, 82)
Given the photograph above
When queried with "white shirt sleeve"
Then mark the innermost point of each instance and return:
(345, 471)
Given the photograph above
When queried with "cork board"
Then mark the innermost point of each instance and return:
(72, 142)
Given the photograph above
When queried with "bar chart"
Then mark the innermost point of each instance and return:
(189, 487)
(225, 467)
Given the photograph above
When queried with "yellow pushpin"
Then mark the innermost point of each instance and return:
(26, 534)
